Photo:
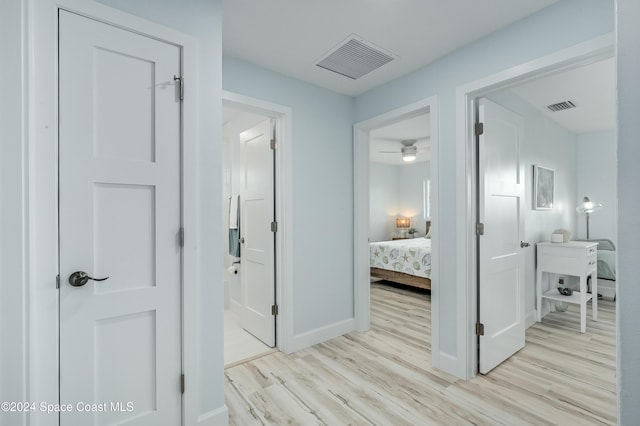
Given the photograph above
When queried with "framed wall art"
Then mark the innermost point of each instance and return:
(543, 187)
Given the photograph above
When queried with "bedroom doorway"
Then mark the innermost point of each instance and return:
(569, 128)
(255, 310)
(395, 189)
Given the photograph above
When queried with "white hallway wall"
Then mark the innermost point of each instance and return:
(322, 191)
(628, 69)
(13, 196)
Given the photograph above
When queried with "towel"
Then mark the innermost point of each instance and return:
(234, 226)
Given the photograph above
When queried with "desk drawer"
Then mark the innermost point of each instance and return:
(558, 264)
(592, 262)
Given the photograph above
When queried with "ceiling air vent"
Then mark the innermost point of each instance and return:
(355, 57)
(561, 106)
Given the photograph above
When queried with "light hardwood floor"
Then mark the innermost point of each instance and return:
(384, 376)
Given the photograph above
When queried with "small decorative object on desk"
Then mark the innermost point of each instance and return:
(557, 238)
(412, 231)
(565, 291)
(566, 235)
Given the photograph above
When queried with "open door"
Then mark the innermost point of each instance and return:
(258, 232)
(501, 261)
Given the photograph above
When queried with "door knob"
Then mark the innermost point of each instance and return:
(242, 240)
(80, 278)
(524, 244)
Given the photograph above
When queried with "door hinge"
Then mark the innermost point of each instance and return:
(273, 144)
(181, 237)
(181, 80)
(58, 281)
(479, 228)
(182, 383)
(274, 226)
(274, 309)
(480, 329)
(479, 129)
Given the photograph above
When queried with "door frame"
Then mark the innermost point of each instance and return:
(580, 54)
(361, 273)
(283, 206)
(43, 198)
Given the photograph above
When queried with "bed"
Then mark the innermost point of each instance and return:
(406, 261)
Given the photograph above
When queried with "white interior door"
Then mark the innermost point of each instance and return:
(501, 193)
(258, 250)
(119, 201)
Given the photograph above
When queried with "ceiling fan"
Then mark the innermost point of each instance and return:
(409, 150)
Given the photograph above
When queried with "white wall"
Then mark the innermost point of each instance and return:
(597, 170)
(628, 70)
(13, 237)
(412, 177)
(396, 191)
(322, 193)
(549, 145)
(384, 200)
(572, 21)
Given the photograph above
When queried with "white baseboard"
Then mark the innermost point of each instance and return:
(530, 318)
(217, 417)
(235, 306)
(321, 334)
(452, 365)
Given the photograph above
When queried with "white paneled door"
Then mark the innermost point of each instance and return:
(500, 196)
(257, 250)
(119, 200)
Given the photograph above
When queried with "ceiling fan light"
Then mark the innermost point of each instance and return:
(409, 153)
(408, 157)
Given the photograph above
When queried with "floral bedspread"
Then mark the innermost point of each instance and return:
(411, 256)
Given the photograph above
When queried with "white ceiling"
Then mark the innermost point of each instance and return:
(389, 138)
(591, 88)
(289, 36)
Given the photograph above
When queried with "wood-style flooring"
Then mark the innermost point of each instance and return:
(384, 376)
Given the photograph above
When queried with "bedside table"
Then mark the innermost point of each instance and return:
(578, 258)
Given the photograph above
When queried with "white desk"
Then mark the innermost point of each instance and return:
(578, 258)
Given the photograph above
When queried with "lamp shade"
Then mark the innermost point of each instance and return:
(403, 222)
(587, 206)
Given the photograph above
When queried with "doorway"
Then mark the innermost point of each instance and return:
(563, 143)
(363, 131)
(255, 228)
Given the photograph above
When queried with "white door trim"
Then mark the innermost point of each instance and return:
(580, 54)
(362, 302)
(43, 205)
(284, 208)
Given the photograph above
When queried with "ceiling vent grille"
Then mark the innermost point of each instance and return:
(355, 57)
(561, 106)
